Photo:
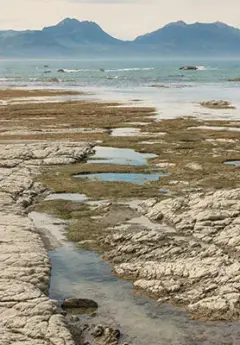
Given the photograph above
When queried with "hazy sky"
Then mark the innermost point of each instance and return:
(121, 18)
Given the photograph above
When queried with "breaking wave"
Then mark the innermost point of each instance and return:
(71, 70)
(204, 68)
(201, 68)
(130, 69)
(79, 70)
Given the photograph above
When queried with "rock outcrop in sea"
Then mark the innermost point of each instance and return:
(188, 68)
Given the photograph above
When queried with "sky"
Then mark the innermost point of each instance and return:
(123, 19)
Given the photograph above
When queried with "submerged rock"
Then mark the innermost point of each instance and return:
(109, 335)
(84, 303)
(91, 334)
(53, 80)
(61, 70)
(234, 79)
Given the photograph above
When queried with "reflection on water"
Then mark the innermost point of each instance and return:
(235, 163)
(67, 196)
(122, 177)
(80, 273)
(113, 155)
(83, 274)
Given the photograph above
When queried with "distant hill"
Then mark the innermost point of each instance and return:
(202, 38)
(71, 32)
(73, 38)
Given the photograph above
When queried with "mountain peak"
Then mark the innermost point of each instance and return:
(178, 23)
(73, 23)
(221, 24)
(68, 21)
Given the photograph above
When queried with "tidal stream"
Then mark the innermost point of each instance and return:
(83, 274)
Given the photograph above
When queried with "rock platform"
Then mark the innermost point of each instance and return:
(27, 315)
(190, 257)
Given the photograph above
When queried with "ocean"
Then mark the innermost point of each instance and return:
(156, 82)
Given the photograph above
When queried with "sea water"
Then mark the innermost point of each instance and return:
(155, 81)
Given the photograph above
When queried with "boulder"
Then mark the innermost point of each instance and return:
(61, 70)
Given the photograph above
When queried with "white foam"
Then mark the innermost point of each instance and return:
(130, 69)
(204, 68)
(71, 70)
(201, 68)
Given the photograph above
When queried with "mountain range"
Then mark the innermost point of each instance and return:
(73, 38)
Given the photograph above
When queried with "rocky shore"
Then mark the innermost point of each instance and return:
(191, 258)
(181, 246)
(27, 316)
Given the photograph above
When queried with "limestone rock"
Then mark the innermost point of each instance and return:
(192, 259)
(27, 316)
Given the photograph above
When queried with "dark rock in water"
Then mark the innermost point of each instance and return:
(61, 70)
(117, 333)
(188, 68)
(102, 69)
(108, 334)
(73, 303)
(54, 80)
(47, 71)
(234, 79)
(46, 66)
(92, 334)
(159, 86)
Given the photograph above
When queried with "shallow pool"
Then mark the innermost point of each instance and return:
(113, 155)
(236, 163)
(67, 197)
(122, 177)
(80, 273)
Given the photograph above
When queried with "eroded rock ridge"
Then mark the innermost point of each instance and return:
(192, 258)
(27, 315)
